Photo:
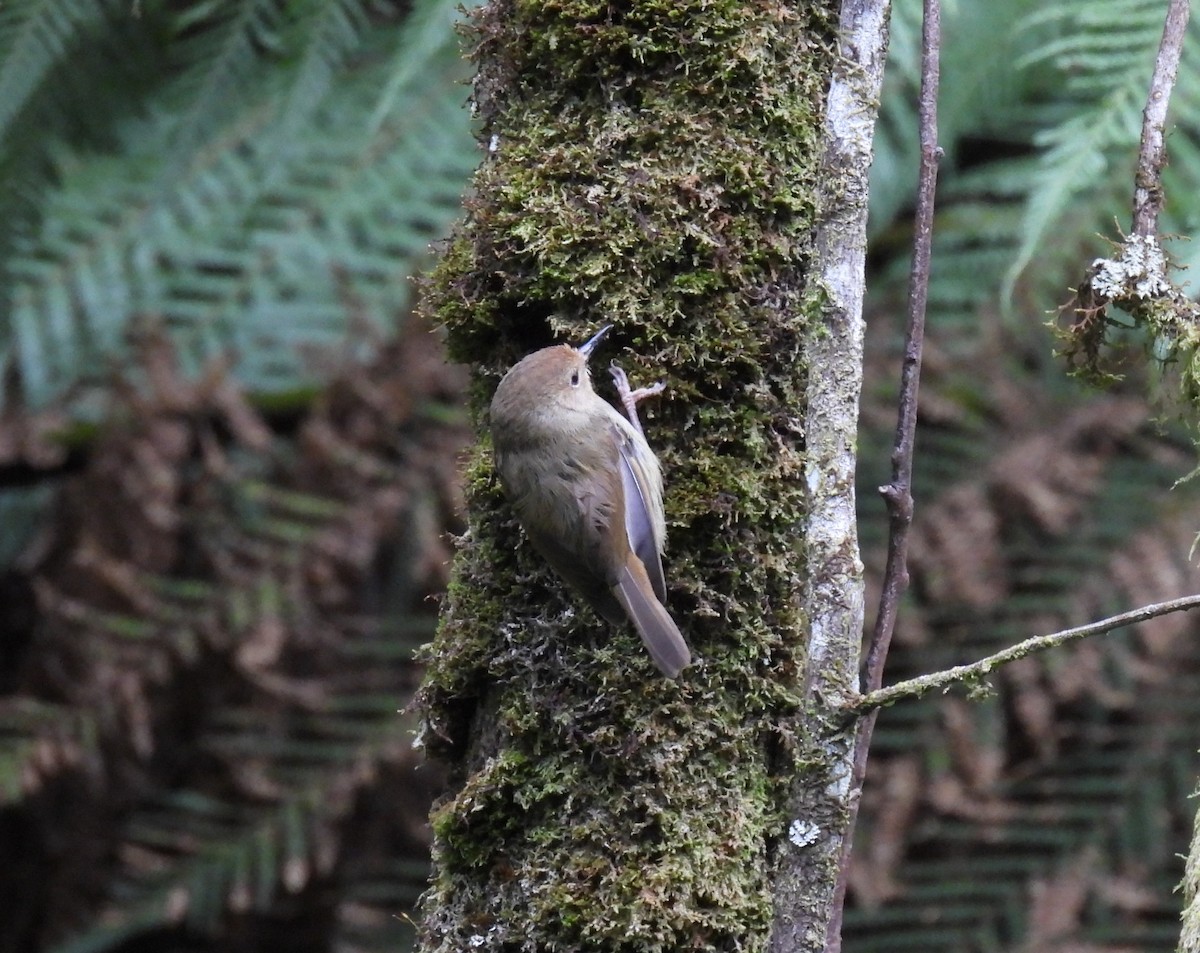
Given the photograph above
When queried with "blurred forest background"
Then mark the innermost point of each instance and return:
(228, 484)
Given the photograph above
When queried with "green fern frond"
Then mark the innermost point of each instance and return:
(1104, 53)
(429, 43)
(35, 35)
(981, 95)
(324, 39)
(1077, 156)
(1086, 40)
(1066, 123)
(264, 254)
(224, 50)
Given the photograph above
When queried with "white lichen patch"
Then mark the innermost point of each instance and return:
(803, 833)
(1139, 271)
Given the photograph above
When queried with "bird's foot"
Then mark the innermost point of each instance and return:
(630, 397)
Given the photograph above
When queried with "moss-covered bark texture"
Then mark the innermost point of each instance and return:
(650, 163)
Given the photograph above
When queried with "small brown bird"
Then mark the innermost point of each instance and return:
(587, 488)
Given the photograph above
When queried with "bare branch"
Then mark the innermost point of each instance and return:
(916, 687)
(898, 493)
(1147, 195)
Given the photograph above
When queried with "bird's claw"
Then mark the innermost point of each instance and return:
(626, 392)
(630, 397)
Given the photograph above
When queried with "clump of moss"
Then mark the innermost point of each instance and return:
(653, 167)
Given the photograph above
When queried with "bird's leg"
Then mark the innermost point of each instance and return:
(629, 397)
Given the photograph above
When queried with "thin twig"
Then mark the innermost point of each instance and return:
(916, 687)
(898, 493)
(1147, 194)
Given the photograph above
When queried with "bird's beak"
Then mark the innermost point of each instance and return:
(590, 345)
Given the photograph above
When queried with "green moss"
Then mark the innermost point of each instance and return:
(655, 168)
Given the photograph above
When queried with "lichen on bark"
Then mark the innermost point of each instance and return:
(652, 164)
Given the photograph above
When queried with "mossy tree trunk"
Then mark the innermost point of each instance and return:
(663, 165)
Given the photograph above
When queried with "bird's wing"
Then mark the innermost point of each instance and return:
(644, 519)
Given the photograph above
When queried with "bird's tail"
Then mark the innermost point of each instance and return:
(654, 624)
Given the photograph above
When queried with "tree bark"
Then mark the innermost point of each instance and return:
(667, 167)
(809, 880)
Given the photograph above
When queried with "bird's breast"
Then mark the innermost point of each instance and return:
(565, 485)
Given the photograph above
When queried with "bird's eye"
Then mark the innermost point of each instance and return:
(574, 378)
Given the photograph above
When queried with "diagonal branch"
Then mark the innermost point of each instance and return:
(916, 687)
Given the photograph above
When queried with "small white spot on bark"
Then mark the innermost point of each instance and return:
(803, 833)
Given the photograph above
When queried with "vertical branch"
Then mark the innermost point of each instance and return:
(810, 850)
(1137, 278)
(1189, 934)
(1147, 194)
(1147, 204)
(898, 492)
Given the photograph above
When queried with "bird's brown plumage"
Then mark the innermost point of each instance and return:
(588, 491)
